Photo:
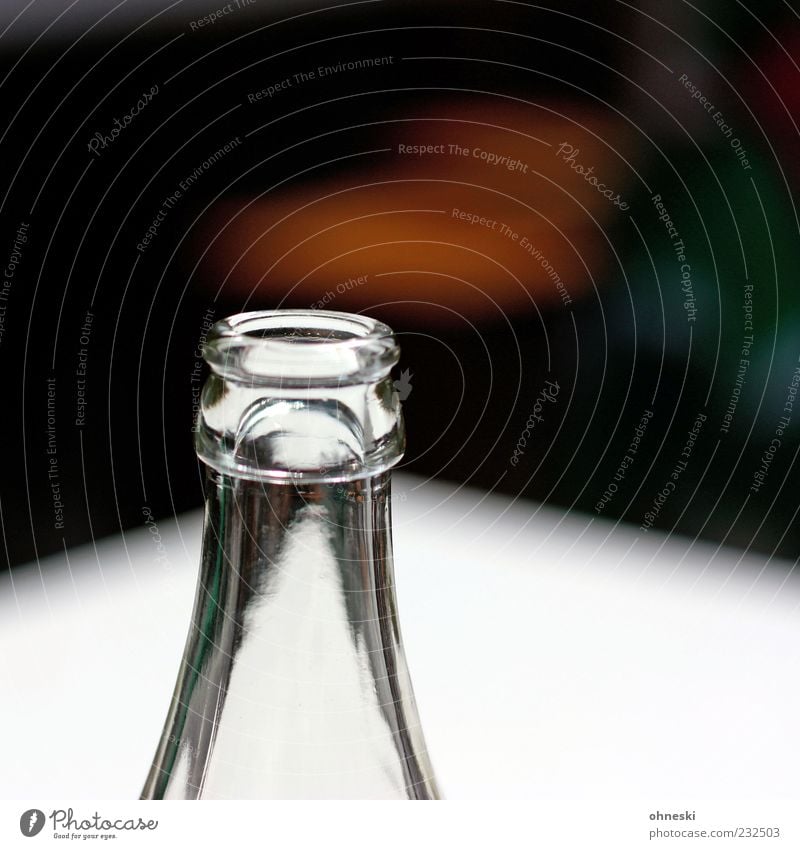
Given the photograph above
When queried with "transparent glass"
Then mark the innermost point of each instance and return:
(293, 683)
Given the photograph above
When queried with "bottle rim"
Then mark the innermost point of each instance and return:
(288, 346)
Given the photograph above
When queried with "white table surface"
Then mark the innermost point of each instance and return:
(553, 656)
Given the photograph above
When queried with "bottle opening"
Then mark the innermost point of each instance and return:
(280, 347)
(300, 395)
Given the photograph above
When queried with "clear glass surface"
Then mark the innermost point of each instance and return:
(293, 682)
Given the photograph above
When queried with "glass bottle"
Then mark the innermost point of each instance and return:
(293, 683)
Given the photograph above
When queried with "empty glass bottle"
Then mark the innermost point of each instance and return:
(293, 682)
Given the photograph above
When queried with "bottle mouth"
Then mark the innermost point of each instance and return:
(300, 347)
(300, 395)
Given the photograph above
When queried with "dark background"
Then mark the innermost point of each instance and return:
(622, 346)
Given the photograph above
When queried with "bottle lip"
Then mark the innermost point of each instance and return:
(300, 346)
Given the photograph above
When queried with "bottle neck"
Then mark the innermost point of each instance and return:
(294, 683)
